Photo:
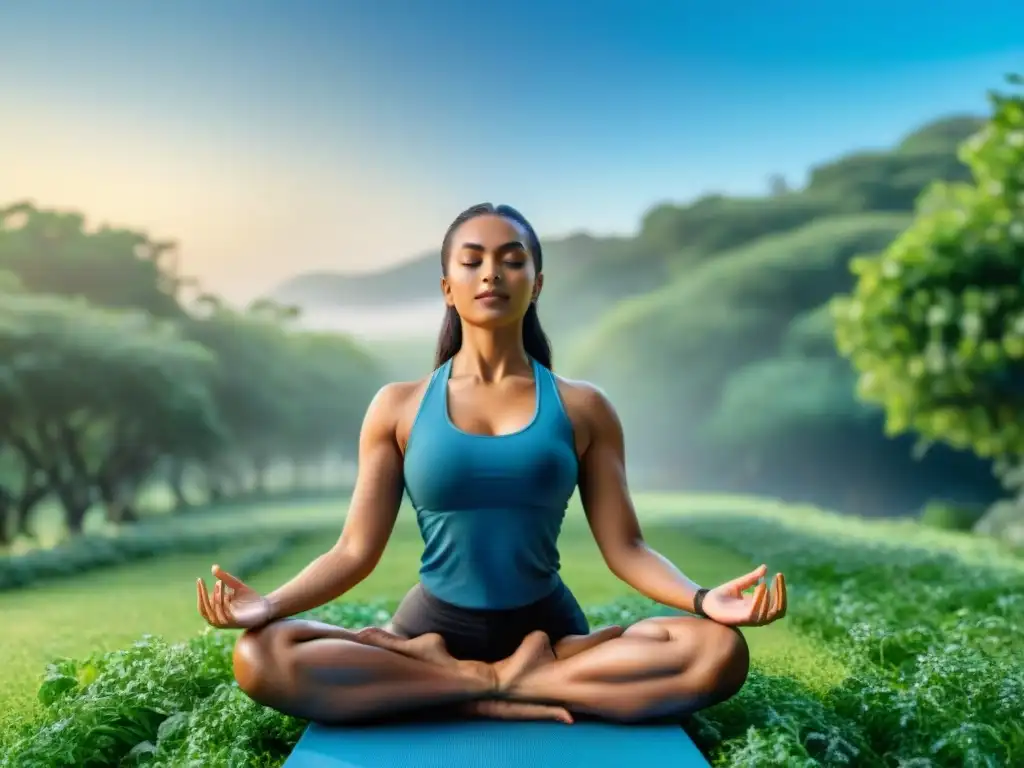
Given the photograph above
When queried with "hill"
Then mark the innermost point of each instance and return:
(710, 332)
(597, 271)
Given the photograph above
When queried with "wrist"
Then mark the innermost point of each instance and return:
(271, 609)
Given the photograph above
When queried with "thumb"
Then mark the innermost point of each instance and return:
(227, 578)
(748, 580)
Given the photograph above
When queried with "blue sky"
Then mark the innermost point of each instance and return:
(273, 137)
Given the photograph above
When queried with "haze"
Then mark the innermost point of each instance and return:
(273, 140)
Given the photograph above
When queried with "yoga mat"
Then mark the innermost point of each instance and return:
(495, 744)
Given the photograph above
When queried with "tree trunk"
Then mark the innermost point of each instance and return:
(176, 481)
(118, 496)
(24, 507)
(74, 516)
(7, 527)
(75, 502)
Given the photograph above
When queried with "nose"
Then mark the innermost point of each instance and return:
(493, 273)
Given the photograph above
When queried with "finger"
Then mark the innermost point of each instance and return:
(226, 594)
(750, 579)
(783, 596)
(772, 603)
(223, 615)
(208, 611)
(755, 609)
(214, 602)
(200, 592)
(227, 578)
(766, 605)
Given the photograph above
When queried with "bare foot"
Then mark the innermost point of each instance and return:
(514, 710)
(570, 645)
(429, 648)
(535, 651)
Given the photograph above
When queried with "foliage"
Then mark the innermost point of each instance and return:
(53, 252)
(107, 381)
(935, 323)
(933, 677)
(93, 398)
(951, 517)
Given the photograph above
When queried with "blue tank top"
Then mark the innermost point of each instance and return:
(490, 508)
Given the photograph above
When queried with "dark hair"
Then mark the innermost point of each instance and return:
(535, 341)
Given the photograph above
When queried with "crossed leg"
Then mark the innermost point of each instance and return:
(657, 667)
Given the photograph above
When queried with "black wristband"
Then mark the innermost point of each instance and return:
(698, 601)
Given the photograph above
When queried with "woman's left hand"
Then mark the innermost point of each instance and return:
(727, 604)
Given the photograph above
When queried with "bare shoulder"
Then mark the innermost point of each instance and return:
(587, 405)
(395, 405)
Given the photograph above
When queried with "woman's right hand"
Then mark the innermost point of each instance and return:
(233, 605)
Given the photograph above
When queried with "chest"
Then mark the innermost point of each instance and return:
(491, 410)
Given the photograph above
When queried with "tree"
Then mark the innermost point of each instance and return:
(53, 252)
(935, 323)
(91, 400)
(284, 395)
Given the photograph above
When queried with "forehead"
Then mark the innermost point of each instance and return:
(489, 230)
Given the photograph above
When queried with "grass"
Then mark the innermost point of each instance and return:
(893, 654)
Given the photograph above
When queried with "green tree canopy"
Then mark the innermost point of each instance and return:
(53, 252)
(935, 323)
(91, 399)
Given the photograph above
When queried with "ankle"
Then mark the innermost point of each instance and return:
(484, 674)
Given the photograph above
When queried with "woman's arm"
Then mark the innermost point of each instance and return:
(371, 515)
(610, 510)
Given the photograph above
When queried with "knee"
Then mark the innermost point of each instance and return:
(255, 661)
(727, 659)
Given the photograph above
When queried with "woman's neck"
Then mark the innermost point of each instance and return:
(490, 355)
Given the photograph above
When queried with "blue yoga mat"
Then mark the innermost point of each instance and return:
(494, 744)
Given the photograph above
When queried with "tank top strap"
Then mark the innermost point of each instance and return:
(433, 407)
(436, 395)
(550, 408)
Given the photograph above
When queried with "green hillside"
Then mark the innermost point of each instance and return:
(709, 331)
(585, 273)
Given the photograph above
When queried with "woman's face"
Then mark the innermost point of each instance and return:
(491, 279)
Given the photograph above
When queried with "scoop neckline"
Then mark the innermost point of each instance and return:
(446, 377)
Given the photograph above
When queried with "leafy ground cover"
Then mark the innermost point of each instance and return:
(894, 653)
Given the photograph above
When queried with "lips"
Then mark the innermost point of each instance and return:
(491, 295)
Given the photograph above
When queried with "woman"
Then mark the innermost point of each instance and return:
(490, 448)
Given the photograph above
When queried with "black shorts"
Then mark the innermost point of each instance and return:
(488, 635)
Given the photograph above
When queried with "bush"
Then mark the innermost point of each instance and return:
(934, 644)
(950, 516)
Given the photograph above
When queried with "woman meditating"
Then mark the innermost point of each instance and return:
(490, 448)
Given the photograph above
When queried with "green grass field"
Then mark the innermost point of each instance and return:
(856, 666)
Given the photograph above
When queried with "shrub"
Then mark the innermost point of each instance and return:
(951, 517)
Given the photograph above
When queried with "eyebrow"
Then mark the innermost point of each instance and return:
(512, 245)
